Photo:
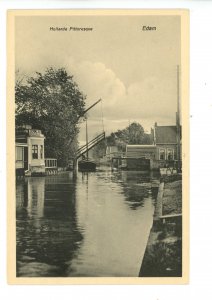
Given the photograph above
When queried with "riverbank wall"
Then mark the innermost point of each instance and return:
(163, 254)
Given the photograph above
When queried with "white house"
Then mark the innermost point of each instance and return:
(29, 151)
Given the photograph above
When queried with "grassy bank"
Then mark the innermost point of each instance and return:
(163, 255)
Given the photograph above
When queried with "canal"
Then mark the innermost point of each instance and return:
(94, 224)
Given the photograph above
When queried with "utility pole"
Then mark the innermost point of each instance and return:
(86, 124)
(178, 121)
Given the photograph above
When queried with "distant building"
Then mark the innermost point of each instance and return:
(166, 141)
(163, 152)
(140, 157)
(112, 151)
(141, 151)
(29, 151)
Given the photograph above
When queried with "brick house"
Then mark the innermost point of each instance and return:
(166, 139)
(163, 152)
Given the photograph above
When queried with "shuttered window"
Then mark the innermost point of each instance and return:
(170, 154)
(19, 153)
(162, 154)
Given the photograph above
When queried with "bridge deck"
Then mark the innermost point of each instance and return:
(82, 150)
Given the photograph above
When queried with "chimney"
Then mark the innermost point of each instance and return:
(154, 135)
(177, 119)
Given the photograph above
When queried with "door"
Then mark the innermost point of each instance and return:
(25, 158)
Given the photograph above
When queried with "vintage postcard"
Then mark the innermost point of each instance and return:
(97, 127)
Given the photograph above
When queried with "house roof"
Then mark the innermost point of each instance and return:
(23, 133)
(140, 146)
(166, 134)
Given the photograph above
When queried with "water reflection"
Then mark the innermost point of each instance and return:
(47, 232)
(94, 224)
(137, 187)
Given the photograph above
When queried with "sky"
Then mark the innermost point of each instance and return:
(133, 71)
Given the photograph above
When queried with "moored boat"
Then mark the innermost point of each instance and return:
(86, 165)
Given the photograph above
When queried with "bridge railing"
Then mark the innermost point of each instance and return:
(90, 145)
(50, 163)
(51, 166)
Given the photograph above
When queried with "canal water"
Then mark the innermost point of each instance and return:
(91, 224)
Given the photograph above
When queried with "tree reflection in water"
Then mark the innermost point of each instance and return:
(137, 186)
(93, 224)
(47, 232)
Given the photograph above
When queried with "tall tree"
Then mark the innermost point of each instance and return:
(132, 135)
(53, 103)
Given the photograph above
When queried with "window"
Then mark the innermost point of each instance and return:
(124, 163)
(162, 154)
(170, 154)
(34, 151)
(41, 151)
(19, 153)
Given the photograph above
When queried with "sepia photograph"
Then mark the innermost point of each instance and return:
(97, 108)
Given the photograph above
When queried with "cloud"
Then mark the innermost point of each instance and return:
(144, 101)
(97, 81)
(152, 97)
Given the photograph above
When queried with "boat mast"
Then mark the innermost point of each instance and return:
(86, 124)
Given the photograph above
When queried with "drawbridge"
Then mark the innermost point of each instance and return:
(86, 164)
(88, 146)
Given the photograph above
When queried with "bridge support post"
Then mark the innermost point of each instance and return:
(75, 166)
